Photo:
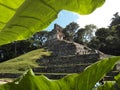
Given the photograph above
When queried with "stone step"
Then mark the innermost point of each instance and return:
(54, 75)
(61, 69)
(109, 78)
(68, 65)
(113, 73)
(9, 75)
(49, 75)
(60, 75)
(56, 60)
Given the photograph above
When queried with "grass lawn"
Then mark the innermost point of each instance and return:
(23, 62)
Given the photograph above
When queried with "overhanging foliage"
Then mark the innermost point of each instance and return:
(19, 19)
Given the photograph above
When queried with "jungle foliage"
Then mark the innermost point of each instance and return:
(22, 18)
(107, 40)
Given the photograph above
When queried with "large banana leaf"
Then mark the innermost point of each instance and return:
(19, 19)
(82, 81)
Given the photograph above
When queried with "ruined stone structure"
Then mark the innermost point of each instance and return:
(56, 33)
(64, 48)
(67, 57)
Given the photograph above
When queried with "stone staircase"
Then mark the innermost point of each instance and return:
(67, 58)
(57, 67)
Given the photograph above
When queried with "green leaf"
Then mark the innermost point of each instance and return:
(107, 86)
(7, 10)
(19, 19)
(95, 72)
(111, 85)
(117, 78)
(81, 81)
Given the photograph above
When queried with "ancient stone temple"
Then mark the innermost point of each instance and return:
(67, 57)
(58, 46)
(56, 33)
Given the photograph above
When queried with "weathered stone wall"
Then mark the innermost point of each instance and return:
(64, 48)
(71, 59)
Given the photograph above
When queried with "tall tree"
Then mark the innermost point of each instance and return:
(15, 49)
(84, 35)
(70, 31)
(39, 38)
(89, 31)
(79, 36)
(106, 40)
(102, 33)
(115, 19)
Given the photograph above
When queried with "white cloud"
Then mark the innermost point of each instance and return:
(101, 17)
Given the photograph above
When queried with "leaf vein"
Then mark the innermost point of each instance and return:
(48, 5)
(2, 22)
(8, 7)
(32, 18)
(13, 25)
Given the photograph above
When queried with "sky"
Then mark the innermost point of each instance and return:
(101, 17)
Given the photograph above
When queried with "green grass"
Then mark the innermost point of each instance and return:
(23, 62)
